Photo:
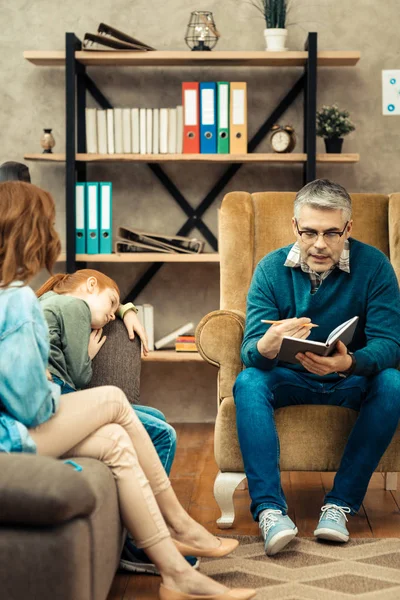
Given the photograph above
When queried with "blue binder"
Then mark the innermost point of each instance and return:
(80, 229)
(92, 217)
(208, 118)
(105, 217)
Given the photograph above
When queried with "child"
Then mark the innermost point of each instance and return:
(97, 423)
(76, 308)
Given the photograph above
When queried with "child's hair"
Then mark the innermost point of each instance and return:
(28, 240)
(62, 283)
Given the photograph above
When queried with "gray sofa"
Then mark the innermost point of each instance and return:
(60, 530)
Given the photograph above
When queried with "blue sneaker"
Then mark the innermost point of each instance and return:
(332, 523)
(277, 530)
(135, 560)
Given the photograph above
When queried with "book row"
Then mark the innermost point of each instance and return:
(134, 130)
(212, 119)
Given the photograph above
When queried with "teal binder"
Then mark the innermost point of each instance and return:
(80, 230)
(92, 217)
(105, 217)
(223, 117)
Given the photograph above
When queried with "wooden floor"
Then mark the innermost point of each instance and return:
(193, 475)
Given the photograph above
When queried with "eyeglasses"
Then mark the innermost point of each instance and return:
(330, 237)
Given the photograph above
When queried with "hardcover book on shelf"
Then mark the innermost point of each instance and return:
(172, 131)
(160, 242)
(101, 132)
(163, 130)
(91, 130)
(148, 324)
(110, 130)
(171, 337)
(142, 134)
(118, 130)
(135, 130)
(156, 130)
(126, 131)
(149, 130)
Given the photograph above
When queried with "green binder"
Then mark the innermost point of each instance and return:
(223, 117)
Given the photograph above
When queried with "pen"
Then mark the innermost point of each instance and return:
(277, 323)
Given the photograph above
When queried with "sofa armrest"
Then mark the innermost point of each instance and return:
(38, 490)
(219, 337)
(119, 361)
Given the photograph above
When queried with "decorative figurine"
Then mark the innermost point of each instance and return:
(47, 141)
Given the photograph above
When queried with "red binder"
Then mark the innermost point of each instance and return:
(191, 117)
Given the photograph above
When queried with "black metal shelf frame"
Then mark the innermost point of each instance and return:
(77, 83)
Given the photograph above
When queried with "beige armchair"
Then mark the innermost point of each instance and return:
(250, 226)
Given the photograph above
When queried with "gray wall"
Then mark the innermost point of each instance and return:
(33, 98)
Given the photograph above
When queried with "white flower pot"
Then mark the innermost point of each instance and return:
(275, 39)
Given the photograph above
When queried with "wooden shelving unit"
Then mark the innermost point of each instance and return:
(143, 257)
(44, 58)
(76, 63)
(295, 157)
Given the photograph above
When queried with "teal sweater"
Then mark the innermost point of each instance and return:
(370, 291)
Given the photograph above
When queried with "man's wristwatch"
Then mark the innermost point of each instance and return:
(352, 367)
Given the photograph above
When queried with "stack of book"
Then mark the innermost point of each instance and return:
(134, 130)
(169, 340)
(215, 117)
(185, 343)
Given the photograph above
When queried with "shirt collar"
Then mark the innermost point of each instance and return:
(294, 259)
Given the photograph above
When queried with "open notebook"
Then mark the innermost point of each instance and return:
(291, 346)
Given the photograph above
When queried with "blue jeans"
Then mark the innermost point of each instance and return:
(160, 432)
(258, 393)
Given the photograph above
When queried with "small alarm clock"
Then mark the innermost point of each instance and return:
(283, 139)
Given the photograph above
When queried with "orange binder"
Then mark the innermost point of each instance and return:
(238, 117)
(191, 117)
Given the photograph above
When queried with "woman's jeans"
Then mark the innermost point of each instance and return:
(258, 393)
(161, 433)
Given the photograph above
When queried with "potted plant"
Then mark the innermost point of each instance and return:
(274, 13)
(332, 125)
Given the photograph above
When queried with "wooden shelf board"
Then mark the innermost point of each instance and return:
(172, 356)
(326, 58)
(142, 257)
(294, 157)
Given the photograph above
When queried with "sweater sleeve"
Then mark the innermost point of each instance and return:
(261, 304)
(382, 324)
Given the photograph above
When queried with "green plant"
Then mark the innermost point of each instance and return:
(333, 123)
(273, 11)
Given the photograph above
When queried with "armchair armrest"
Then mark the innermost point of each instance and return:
(219, 337)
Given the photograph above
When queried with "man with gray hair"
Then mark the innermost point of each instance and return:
(325, 278)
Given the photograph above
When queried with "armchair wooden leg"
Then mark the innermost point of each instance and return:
(390, 481)
(224, 487)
